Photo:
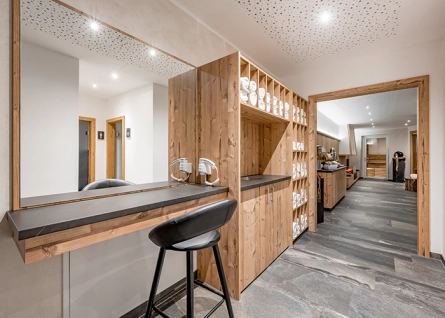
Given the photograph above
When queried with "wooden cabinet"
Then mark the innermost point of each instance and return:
(334, 187)
(265, 215)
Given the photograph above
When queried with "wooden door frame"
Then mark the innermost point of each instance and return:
(110, 122)
(91, 148)
(423, 154)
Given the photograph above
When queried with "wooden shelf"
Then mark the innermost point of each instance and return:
(298, 179)
(299, 151)
(256, 115)
(300, 206)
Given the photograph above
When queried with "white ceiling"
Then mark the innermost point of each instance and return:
(100, 53)
(283, 35)
(388, 110)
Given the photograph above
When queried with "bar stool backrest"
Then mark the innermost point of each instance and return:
(193, 224)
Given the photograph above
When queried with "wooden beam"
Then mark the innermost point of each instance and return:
(16, 104)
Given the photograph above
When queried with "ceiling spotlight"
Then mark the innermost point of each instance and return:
(325, 17)
(114, 75)
(369, 113)
(409, 120)
(406, 124)
(152, 52)
(373, 126)
(367, 107)
(371, 119)
(94, 86)
(94, 25)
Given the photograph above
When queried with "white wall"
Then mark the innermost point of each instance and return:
(160, 133)
(137, 107)
(344, 139)
(49, 123)
(327, 125)
(386, 65)
(33, 290)
(93, 107)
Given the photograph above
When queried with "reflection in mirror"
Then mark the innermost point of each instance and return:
(93, 103)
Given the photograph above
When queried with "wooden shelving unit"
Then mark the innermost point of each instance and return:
(300, 134)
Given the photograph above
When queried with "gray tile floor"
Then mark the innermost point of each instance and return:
(361, 262)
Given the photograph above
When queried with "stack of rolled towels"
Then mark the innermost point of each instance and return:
(261, 95)
(286, 110)
(298, 146)
(298, 199)
(275, 105)
(303, 221)
(280, 103)
(268, 102)
(253, 98)
(299, 170)
(296, 228)
(300, 116)
(244, 89)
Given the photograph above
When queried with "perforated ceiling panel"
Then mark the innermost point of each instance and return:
(297, 28)
(52, 18)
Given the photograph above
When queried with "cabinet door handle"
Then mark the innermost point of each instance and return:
(267, 197)
(273, 190)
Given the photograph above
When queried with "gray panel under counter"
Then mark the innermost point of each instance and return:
(39, 221)
(259, 180)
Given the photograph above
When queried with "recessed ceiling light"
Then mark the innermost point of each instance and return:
(409, 120)
(325, 17)
(371, 119)
(152, 52)
(114, 75)
(373, 126)
(367, 107)
(406, 124)
(94, 86)
(369, 113)
(94, 25)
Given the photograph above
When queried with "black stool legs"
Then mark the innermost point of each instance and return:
(190, 286)
(154, 285)
(222, 278)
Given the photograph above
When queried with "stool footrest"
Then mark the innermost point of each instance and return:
(199, 283)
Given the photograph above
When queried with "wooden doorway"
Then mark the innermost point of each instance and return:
(90, 132)
(116, 148)
(423, 149)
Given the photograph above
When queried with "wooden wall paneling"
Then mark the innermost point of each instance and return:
(45, 246)
(250, 148)
(219, 140)
(266, 149)
(312, 165)
(182, 121)
(16, 23)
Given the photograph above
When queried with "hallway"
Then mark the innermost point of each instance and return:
(361, 262)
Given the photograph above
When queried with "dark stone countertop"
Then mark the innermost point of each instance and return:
(260, 180)
(330, 171)
(33, 222)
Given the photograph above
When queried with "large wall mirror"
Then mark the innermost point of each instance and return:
(92, 104)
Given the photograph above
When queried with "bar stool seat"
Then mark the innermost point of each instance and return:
(190, 232)
(197, 243)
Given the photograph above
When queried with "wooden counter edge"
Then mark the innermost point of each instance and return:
(49, 245)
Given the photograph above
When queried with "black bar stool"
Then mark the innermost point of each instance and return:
(190, 232)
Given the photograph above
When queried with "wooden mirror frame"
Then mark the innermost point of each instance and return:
(16, 39)
(422, 83)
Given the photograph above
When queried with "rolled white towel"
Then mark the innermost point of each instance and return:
(252, 86)
(298, 199)
(275, 109)
(294, 113)
(280, 103)
(261, 104)
(275, 100)
(243, 96)
(268, 98)
(244, 84)
(294, 205)
(268, 107)
(261, 93)
(253, 98)
(286, 110)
